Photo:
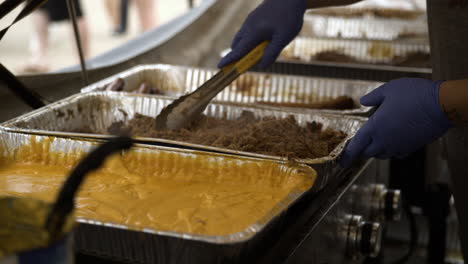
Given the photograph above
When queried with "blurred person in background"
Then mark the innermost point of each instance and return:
(113, 11)
(52, 11)
(119, 14)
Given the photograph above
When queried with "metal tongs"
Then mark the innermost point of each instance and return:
(186, 108)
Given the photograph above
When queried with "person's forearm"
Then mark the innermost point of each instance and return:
(453, 99)
(327, 3)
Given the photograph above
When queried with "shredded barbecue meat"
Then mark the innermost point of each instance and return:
(269, 135)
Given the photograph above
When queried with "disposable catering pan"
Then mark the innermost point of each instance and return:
(374, 59)
(297, 59)
(144, 245)
(380, 73)
(250, 88)
(365, 23)
(303, 49)
(99, 110)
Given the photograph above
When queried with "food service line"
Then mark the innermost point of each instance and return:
(337, 197)
(59, 114)
(369, 249)
(84, 227)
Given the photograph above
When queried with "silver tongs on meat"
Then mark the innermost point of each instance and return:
(182, 111)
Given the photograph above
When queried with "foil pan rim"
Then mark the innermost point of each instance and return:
(363, 110)
(366, 25)
(384, 41)
(92, 87)
(97, 87)
(238, 237)
(361, 9)
(394, 44)
(203, 148)
(368, 66)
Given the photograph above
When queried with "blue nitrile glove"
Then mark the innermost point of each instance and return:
(409, 117)
(276, 20)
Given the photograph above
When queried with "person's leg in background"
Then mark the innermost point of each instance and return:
(82, 28)
(123, 14)
(146, 12)
(39, 43)
(52, 11)
(112, 8)
(84, 36)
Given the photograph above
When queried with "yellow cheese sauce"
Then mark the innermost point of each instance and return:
(169, 191)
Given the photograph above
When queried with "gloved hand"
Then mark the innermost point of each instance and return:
(276, 20)
(409, 116)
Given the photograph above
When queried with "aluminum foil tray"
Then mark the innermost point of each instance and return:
(97, 111)
(124, 243)
(248, 89)
(360, 23)
(302, 49)
(379, 73)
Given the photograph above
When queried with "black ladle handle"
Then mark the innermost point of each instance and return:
(30, 97)
(66, 198)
